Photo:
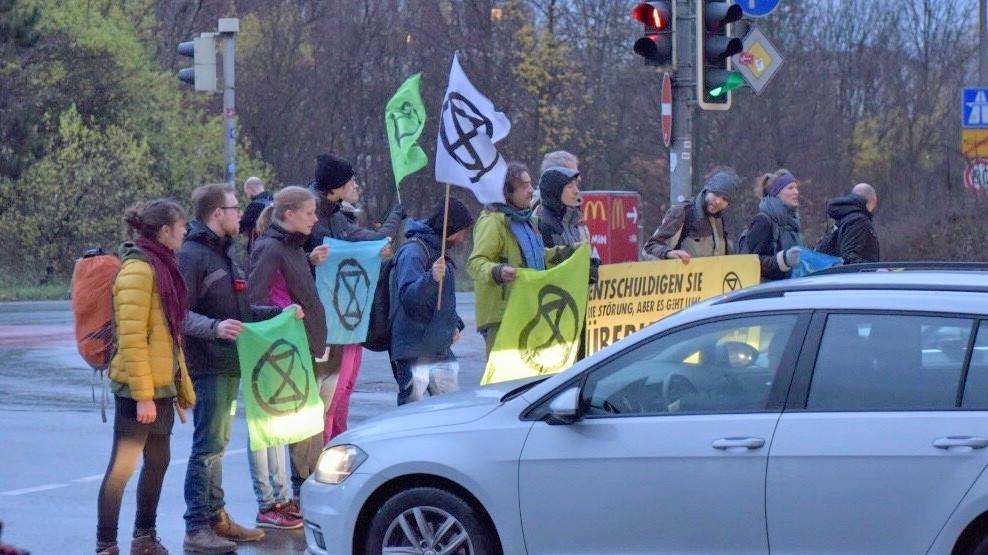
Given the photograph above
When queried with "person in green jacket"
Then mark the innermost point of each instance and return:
(506, 238)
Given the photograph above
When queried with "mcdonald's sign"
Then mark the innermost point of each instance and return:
(612, 219)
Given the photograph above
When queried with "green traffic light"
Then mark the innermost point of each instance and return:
(733, 80)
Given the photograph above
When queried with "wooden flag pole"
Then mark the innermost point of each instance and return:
(442, 251)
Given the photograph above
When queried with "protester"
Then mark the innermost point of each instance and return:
(774, 234)
(561, 219)
(422, 332)
(281, 275)
(853, 236)
(148, 375)
(350, 205)
(335, 185)
(696, 228)
(259, 200)
(217, 309)
(505, 239)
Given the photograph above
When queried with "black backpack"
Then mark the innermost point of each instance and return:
(379, 323)
(745, 248)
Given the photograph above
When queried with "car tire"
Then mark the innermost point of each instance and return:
(407, 512)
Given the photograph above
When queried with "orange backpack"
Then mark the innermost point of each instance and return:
(92, 305)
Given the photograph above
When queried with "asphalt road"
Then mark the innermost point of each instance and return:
(55, 447)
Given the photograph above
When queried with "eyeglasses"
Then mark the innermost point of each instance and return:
(237, 208)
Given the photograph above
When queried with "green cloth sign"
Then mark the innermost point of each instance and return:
(404, 118)
(280, 388)
(543, 320)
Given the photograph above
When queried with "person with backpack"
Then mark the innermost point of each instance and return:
(506, 238)
(217, 298)
(774, 234)
(281, 275)
(696, 228)
(423, 332)
(335, 186)
(853, 237)
(259, 200)
(148, 376)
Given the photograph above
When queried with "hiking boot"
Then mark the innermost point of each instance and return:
(227, 528)
(292, 508)
(205, 540)
(107, 549)
(276, 517)
(147, 545)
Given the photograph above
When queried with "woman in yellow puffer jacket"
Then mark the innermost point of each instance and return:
(148, 374)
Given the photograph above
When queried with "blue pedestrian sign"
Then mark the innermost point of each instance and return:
(758, 8)
(975, 108)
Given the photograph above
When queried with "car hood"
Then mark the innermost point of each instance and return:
(450, 409)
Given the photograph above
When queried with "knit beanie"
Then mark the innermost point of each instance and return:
(459, 217)
(722, 183)
(332, 172)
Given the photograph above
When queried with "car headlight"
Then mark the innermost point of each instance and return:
(338, 462)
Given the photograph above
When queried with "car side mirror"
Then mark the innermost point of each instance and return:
(565, 408)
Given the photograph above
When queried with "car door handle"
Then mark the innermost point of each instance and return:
(733, 443)
(960, 441)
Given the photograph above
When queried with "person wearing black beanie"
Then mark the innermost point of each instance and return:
(423, 332)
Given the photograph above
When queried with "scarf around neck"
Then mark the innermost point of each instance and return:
(787, 220)
(171, 285)
(529, 241)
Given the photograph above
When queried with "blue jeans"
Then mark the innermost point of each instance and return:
(215, 396)
(269, 472)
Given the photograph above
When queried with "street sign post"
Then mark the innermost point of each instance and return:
(666, 110)
(758, 61)
(974, 108)
(758, 8)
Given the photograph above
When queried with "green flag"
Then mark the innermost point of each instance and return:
(280, 389)
(404, 118)
(543, 321)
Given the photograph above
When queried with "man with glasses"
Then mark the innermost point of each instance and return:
(217, 309)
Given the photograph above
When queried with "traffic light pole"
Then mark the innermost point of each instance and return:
(682, 154)
(229, 28)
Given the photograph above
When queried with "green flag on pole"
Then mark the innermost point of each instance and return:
(280, 389)
(543, 321)
(404, 118)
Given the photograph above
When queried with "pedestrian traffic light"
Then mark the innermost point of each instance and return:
(715, 77)
(658, 46)
(202, 74)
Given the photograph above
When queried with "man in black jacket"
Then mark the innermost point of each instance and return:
(853, 236)
(217, 297)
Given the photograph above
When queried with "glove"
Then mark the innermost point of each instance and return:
(791, 256)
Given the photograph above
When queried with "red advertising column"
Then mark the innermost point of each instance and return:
(612, 217)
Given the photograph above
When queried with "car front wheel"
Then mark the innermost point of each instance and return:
(428, 521)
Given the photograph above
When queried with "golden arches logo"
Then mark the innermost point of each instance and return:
(595, 210)
(617, 213)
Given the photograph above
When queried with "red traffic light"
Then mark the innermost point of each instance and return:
(654, 15)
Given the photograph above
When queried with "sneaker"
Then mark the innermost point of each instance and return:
(292, 508)
(147, 545)
(227, 528)
(276, 517)
(204, 540)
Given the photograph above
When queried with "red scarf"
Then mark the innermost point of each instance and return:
(171, 286)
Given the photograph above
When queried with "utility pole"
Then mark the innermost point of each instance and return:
(682, 154)
(982, 42)
(228, 29)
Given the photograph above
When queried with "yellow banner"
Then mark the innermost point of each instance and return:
(630, 296)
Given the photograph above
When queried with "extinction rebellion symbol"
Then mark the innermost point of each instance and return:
(405, 123)
(732, 282)
(291, 384)
(350, 293)
(546, 341)
(468, 123)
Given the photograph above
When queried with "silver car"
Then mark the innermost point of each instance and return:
(842, 413)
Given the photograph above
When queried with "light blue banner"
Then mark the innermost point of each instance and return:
(346, 283)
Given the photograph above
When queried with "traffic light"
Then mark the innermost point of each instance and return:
(715, 77)
(658, 46)
(202, 74)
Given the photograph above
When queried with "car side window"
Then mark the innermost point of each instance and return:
(889, 362)
(715, 367)
(976, 388)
